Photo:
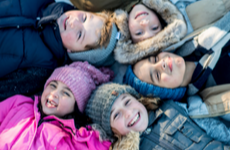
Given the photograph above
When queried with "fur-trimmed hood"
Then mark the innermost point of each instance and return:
(128, 53)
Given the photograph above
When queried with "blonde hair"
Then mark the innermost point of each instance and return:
(150, 103)
(105, 32)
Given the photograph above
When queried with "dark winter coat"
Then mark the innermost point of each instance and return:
(29, 35)
(30, 45)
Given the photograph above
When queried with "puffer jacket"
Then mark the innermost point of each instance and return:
(21, 127)
(169, 128)
(29, 35)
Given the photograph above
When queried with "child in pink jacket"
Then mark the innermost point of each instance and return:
(54, 120)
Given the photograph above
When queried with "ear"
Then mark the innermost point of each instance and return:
(68, 50)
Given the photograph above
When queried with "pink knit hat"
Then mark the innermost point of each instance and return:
(81, 78)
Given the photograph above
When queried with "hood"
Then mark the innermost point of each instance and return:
(127, 52)
(50, 30)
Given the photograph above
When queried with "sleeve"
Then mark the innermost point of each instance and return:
(11, 103)
(92, 140)
(215, 128)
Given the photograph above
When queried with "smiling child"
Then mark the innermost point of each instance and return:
(55, 120)
(121, 111)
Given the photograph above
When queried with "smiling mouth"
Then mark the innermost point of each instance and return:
(170, 63)
(141, 14)
(65, 22)
(134, 120)
(51, 104)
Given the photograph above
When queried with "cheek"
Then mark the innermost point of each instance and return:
(132, 26)
(120, 127)
(165, 78)
(67, 38)
(170, 81)
(45, 93)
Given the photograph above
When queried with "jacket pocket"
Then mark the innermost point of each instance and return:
(184, 132)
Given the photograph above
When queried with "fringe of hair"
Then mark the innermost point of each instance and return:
(150, 103)
(106, 30)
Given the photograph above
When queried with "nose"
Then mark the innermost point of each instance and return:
(161, 65)
(144, 22)
(127, 113)
(54, 94)
(75, 23)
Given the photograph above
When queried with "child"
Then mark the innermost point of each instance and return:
(35, 36)
(152, 25)
(119, 110)
(54, 120)
(205, 64)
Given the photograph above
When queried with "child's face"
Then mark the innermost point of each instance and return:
(143, 23)
(128, 114)
(164, 70)
(79, 29)
(57, 99)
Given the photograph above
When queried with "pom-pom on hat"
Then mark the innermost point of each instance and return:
(81, 78)
(101, 101)
(147, 89)
(101, 56)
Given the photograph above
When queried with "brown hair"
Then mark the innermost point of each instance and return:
(105, 32)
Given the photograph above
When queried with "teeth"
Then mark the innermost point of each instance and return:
(143, 14)
(51, 103)
(135, 119)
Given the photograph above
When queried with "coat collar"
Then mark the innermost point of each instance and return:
(66, 124)
(50, 30)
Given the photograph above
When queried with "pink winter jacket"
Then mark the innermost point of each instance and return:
(19, 129)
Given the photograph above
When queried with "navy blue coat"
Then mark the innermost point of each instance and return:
(29, 35)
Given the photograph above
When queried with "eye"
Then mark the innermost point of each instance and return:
(155, 28)
(158, 75)
(152, 59)
(79, 35)
(116, 116)
(66, 93)
(138, 33)
(127, 102)
(156, 59)
(52, 85)
(84, 18)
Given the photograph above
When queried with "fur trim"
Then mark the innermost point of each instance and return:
(128, 53)
(129, 142)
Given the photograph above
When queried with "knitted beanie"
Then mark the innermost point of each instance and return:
(147, 89)
(101, 56)
(101, 101)
(81, 78)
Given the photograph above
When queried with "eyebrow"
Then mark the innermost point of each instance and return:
(124, 96)
(151, 72)
(55, 81)
(67, 89)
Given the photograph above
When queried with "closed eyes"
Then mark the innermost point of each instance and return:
(79, 35)
(84, 17)
(155, 28)
(138, 33)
